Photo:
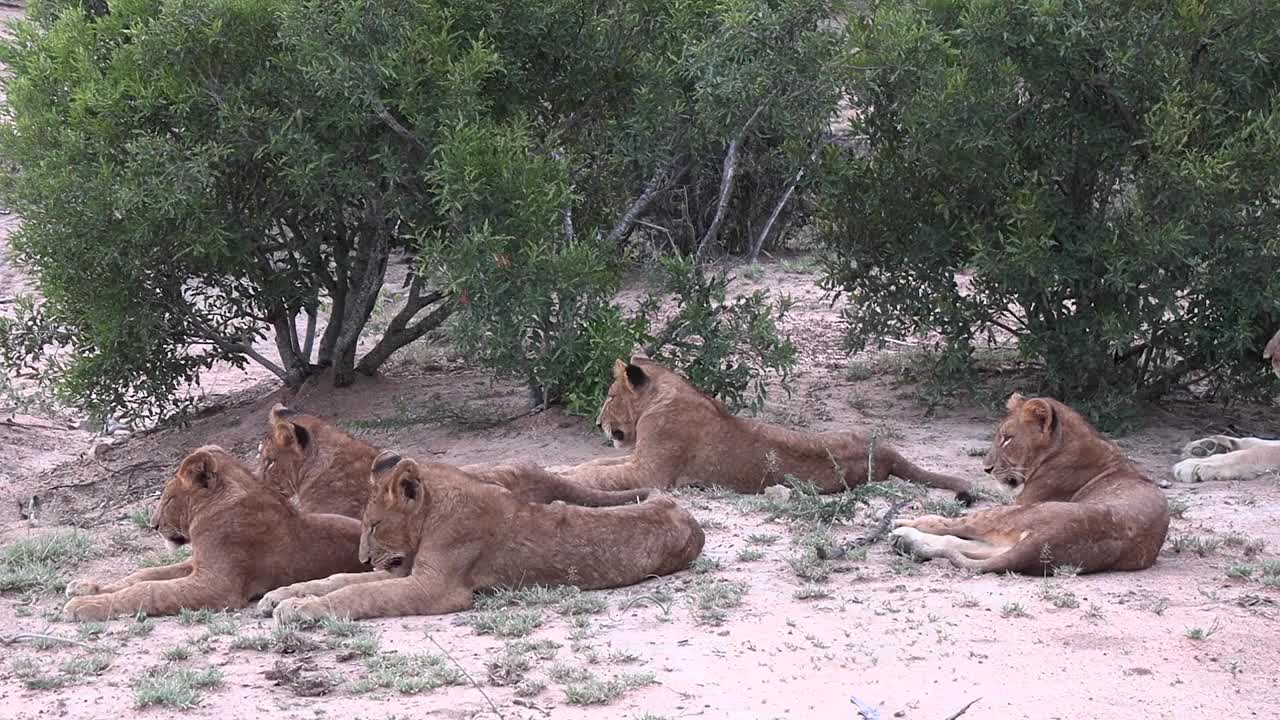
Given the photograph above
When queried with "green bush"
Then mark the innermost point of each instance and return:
(198, 175)
(1095, 181)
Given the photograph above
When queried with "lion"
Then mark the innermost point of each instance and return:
(680, 436)
(246, 540)
(435, 537)
(1219, 457)
(323, 469)
(1082, 504)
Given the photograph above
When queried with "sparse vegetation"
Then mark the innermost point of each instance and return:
(178, 688)
(762, 539)
(1013, 610)
(811, 592)
(176, 653)
(713, 597)
(140, 517)
(505, 622)
(593, 691)
(37, 564)
(749, 555)
(411, 673)
(1197, 633)
(1240, 571)
(565, 599)
(1178, 507)
(1249, 546)
(1201, 545)
(1059, 596)
(704, 564)
(165, 557)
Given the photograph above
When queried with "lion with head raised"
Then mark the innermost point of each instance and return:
(435, 537)
(1221, 457)
(323, 469)
(245, 540)
(1082, 503)
(680, 436)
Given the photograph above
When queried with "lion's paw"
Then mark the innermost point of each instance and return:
(295, 609)
(560, 469)
(76, 588)
(1188, 471)
(910, 542)
(80, 609)
(1212, 445)
(267, 605)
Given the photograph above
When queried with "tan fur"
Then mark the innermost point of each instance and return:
(1219, 457)
(680, 436)
(1082, 503)
(436, 536)
(245, 541)
(326, 470)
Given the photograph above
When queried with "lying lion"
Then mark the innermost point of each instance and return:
(245, 541)
(1082, 503)
(1219, 457)
(435, 537)
(326, 470)
(681, 436)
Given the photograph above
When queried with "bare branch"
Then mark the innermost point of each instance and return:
(311, 333)
(727, 176)
(777, 210)
(663, 179)
(241, 348)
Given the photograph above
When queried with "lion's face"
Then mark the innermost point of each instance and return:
(1272, 353)
(284, 451)
(1022, 438)
(204, 476)
(621, 409)
(392, 518)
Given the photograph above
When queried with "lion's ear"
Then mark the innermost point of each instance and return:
(287, 433)
(1014, 402)
(636, 377)
(281, 412)
(1039, 412)
(619, 369)
(386, 461)
(200, 469)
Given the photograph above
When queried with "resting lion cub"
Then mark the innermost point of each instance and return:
(245, 540)
(1082, 502)
(1219, 457)
(326, 470)
(680, 436)
(435, 537)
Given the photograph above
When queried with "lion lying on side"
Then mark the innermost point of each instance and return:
(1219, 457)
(1082, 503)
(436, 536)
(681, 436)
(245, 540)
(326, 470)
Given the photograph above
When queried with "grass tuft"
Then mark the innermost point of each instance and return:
(411, 673)
(594, 691)
(713, 597)
(36, 564)
(180, 688)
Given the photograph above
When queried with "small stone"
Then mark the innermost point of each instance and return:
(778, 493)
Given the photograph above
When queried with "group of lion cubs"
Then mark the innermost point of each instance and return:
(330, 526)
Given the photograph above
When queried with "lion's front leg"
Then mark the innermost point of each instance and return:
(622, 476)
(389, 598)
(313, 588)
(597, 462)
(76, 588)
(1244, 464)
(156, 597)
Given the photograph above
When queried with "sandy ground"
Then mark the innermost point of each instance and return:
(910, 640)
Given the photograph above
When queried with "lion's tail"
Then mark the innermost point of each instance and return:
(574, 493)
(909, 471)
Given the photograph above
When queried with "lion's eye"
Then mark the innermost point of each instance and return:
(1005, 440)
(271, 464)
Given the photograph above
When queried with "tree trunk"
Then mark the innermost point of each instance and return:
(367, 276)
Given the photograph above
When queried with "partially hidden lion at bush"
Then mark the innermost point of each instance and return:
(1082, 504)
(323, 469)
(1219, 457)
(680, 436)
(245, 538)
(435, 537)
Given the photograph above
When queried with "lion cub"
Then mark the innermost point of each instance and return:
(680, 436)
(245, 541)
(436, 536)
(326, 470)
(1082, 503)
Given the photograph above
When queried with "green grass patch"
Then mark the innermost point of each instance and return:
(36, 564)
(180, 688)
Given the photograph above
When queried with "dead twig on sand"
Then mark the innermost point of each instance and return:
(29, 637)
(11, 422)
(964, 709)
(467, 675)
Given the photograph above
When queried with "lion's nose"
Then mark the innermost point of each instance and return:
(987, 468)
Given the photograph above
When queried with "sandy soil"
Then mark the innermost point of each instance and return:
(910, 640)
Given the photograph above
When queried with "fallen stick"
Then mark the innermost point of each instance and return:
(25, 637)
(964, 709)
(467, 675)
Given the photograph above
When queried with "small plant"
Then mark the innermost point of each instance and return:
(1065, 571)
(704, 564)
(530, 687)
(660, 598)
(1059, 596)
(1159, 605)
(807, 565)
(94, 664)
(945, 508)
(1013, 610)
(141, 518)
(505, 622)
(1271, 572)
(1247, 545)
(967, 601)
(1240, 571)
(811, 592)
(180, 688)
(411, 674)
(762, 539)
(33, 677)
(1201, 545)
(36, 564)
(91, 630)
(749, 555)
(1178, 507)
(256, 641)
(177, 653)
(976, 451)
(713, 597)
(592, 691)
(165, 557)
(1094, 614)
(1196, 633)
